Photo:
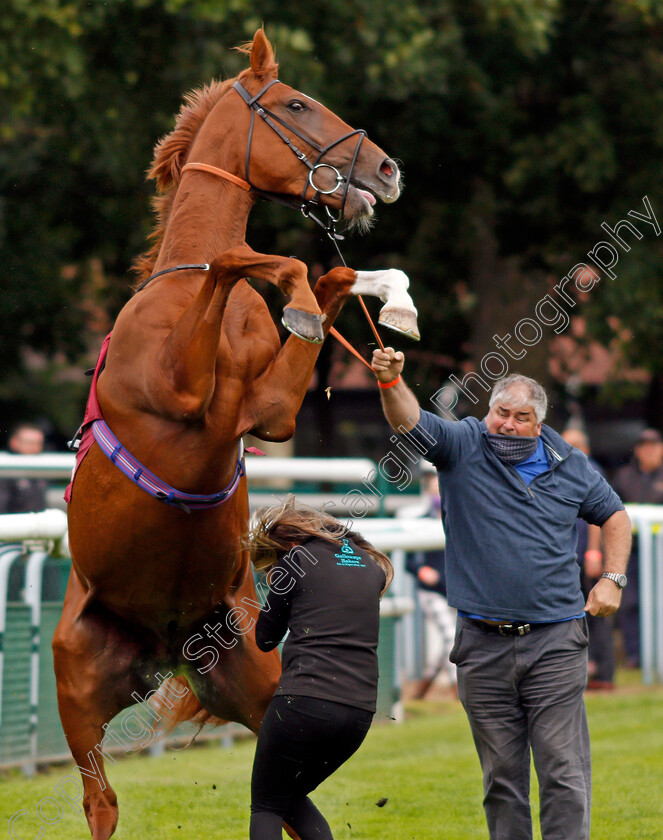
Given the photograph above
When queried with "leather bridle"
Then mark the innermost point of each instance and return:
(304, 205)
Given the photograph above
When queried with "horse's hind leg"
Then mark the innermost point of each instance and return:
(90, 668)
(243, 679)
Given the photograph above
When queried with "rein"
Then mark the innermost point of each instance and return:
(187, 267)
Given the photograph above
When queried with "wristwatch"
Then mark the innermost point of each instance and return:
(620, 580)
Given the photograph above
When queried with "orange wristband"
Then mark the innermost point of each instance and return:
(390, 384)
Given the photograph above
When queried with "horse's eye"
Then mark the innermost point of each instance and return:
(296, 106)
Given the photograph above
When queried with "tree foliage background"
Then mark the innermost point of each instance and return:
(521, 125)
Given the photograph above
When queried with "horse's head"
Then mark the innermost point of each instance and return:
(293, 146)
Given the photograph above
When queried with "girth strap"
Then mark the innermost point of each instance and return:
(150, 483)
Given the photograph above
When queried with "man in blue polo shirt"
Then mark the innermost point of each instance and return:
(511, 491)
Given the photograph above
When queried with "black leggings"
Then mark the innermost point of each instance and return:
(301, 742)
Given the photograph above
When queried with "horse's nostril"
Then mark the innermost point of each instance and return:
(387, 168)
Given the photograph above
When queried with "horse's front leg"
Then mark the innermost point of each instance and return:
(274, 398)
(390, 285)
(187, 359)
(302, 315)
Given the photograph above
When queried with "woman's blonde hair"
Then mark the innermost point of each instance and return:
(275, 529)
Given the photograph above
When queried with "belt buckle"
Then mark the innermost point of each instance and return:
(513, 629)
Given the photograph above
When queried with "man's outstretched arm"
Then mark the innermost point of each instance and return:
(399, 404)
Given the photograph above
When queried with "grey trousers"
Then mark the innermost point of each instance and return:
(525, 693)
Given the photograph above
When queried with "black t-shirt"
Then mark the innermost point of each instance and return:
(328, 596)
(22, 495)
(634, 485)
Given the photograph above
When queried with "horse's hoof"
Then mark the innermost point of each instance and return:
(402, 321)
(305, 325)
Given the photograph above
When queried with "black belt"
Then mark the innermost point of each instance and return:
(504, 629)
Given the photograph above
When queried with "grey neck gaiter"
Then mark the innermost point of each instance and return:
(512, 449)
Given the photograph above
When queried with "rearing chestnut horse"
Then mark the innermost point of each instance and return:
(159, 579)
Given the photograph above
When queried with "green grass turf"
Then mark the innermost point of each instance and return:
(425, 767)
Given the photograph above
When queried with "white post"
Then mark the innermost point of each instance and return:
(32, 596)
(648, 520)
(645, 561)
(657, 595)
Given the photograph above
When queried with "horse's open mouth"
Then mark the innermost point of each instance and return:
(366, 195)
(360, 202)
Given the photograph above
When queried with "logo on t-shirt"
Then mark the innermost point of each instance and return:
(347, 557)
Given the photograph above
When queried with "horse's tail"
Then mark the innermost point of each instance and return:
(175, 702)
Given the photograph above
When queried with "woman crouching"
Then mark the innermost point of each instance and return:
(325, 585)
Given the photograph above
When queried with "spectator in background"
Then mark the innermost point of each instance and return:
(601, 665)
(428, 569)
(24, 495)
(639, 482)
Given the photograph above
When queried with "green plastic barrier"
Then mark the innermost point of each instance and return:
(51, 742)
(15, 724)
(388, 686)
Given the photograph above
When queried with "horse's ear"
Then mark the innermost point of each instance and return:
(263, 63)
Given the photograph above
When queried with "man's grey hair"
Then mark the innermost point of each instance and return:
(522, 391)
